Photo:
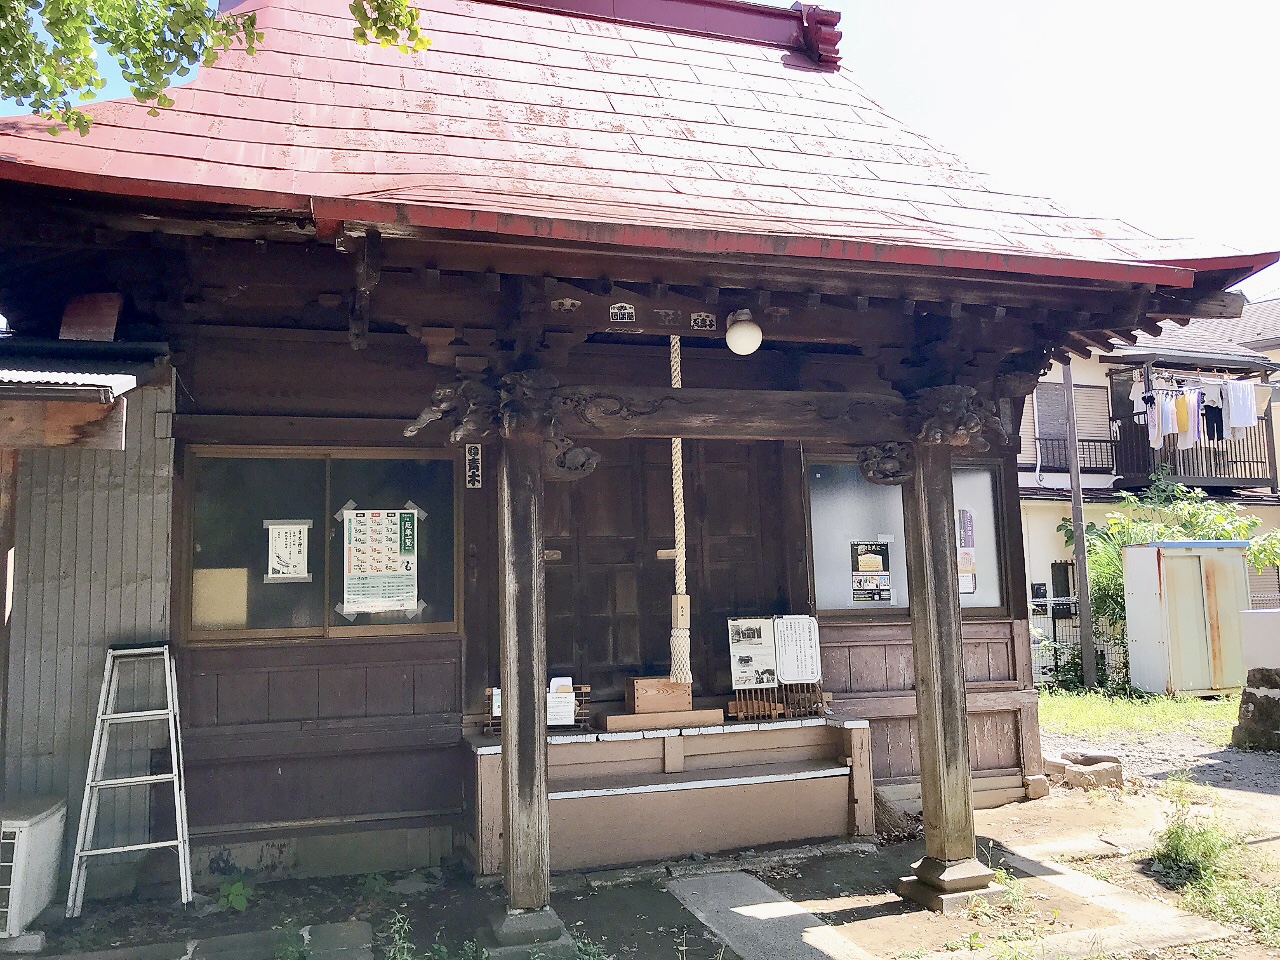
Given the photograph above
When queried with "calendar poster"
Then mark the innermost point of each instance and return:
(380, 560)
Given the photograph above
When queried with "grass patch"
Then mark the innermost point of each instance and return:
(1096, 716)
(1210, 865)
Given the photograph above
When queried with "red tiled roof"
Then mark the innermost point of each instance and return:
(536, 123)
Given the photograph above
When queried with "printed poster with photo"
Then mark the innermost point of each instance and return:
(966, 554)
(379, 560)
(752, 659)
(871, 578)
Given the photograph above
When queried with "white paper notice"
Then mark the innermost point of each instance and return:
(752, 661)
(380, 560)
(287, 551)
(799, 656)
(560, 708)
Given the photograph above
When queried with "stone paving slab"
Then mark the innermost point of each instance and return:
(758, 923)
(1149, 924)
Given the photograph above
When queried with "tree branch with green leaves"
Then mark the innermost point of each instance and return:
(51, 48)
(1164, 511)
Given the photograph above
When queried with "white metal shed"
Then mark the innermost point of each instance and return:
(1183, 601)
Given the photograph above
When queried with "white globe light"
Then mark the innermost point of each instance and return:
(744, 337)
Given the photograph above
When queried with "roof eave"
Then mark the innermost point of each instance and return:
(1180, 275)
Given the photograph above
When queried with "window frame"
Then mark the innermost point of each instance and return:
(999, 466)
(183, 538)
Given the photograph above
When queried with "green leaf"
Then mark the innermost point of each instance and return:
(50, 48)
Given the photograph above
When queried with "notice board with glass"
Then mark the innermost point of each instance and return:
(272, 549)
(858, 535)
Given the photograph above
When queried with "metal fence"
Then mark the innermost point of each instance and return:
(1055, 646)
(1095, 456)
(1245, 462)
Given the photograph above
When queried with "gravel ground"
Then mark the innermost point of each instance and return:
(1157, 756)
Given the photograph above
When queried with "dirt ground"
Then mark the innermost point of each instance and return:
(1242, 787)
(1095, 831)
(638, 921)
(855, 894)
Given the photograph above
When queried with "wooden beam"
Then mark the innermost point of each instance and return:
(1213, 304)
(1079, 346)
(596, 412)
(62, 423)
(1099, 338)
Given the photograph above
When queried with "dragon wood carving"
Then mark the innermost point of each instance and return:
(956, 415)
(887, 464)
(482, 407)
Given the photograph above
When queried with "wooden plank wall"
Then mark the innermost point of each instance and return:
(869, 668)
(91, 569)
(364, 730)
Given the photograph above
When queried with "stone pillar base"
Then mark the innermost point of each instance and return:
(947, 888)
(1259, 726)
(527, 934)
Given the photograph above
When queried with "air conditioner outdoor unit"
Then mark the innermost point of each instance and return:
(31, 832)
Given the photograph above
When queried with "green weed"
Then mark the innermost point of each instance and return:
(1210, 866)
(291, 945)
(235, 894)
(972, 942)
(1190, 848)
(373, 885)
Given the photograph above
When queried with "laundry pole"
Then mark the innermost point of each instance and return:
(681, 671)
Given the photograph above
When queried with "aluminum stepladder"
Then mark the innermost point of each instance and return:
(95, 783)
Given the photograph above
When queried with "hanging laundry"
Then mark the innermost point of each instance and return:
(1212, 390)
(1213, 418)
(1240, 407)
(1135, 396)
(1162, 419)
(1180, 411)
(1155, 436)
(1191, 401)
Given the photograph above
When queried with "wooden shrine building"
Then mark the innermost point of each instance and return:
(455, 284)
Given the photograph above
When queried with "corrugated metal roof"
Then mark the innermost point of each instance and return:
(1200, 342)
(535, 123)
(1257, 326)
(115, 384)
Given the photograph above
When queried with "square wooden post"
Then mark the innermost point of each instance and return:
(950, 872)
(528, 927)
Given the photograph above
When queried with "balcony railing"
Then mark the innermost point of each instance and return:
(1096, 456)
(1247, 462)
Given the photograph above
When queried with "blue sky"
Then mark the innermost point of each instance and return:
(1156, 111)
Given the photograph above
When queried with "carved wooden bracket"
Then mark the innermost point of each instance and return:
(481, 407)
(957, 416)
(887, 464)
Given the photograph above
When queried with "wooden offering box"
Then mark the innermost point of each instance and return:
(657, 695)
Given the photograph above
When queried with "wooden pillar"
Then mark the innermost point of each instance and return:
(523, 643)
(950, 871)
(528, 927)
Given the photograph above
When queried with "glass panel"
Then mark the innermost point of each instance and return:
(975, 493)
(389, 485)
(230, 545)
(859, 562)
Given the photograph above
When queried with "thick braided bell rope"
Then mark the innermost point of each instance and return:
(681, 672)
